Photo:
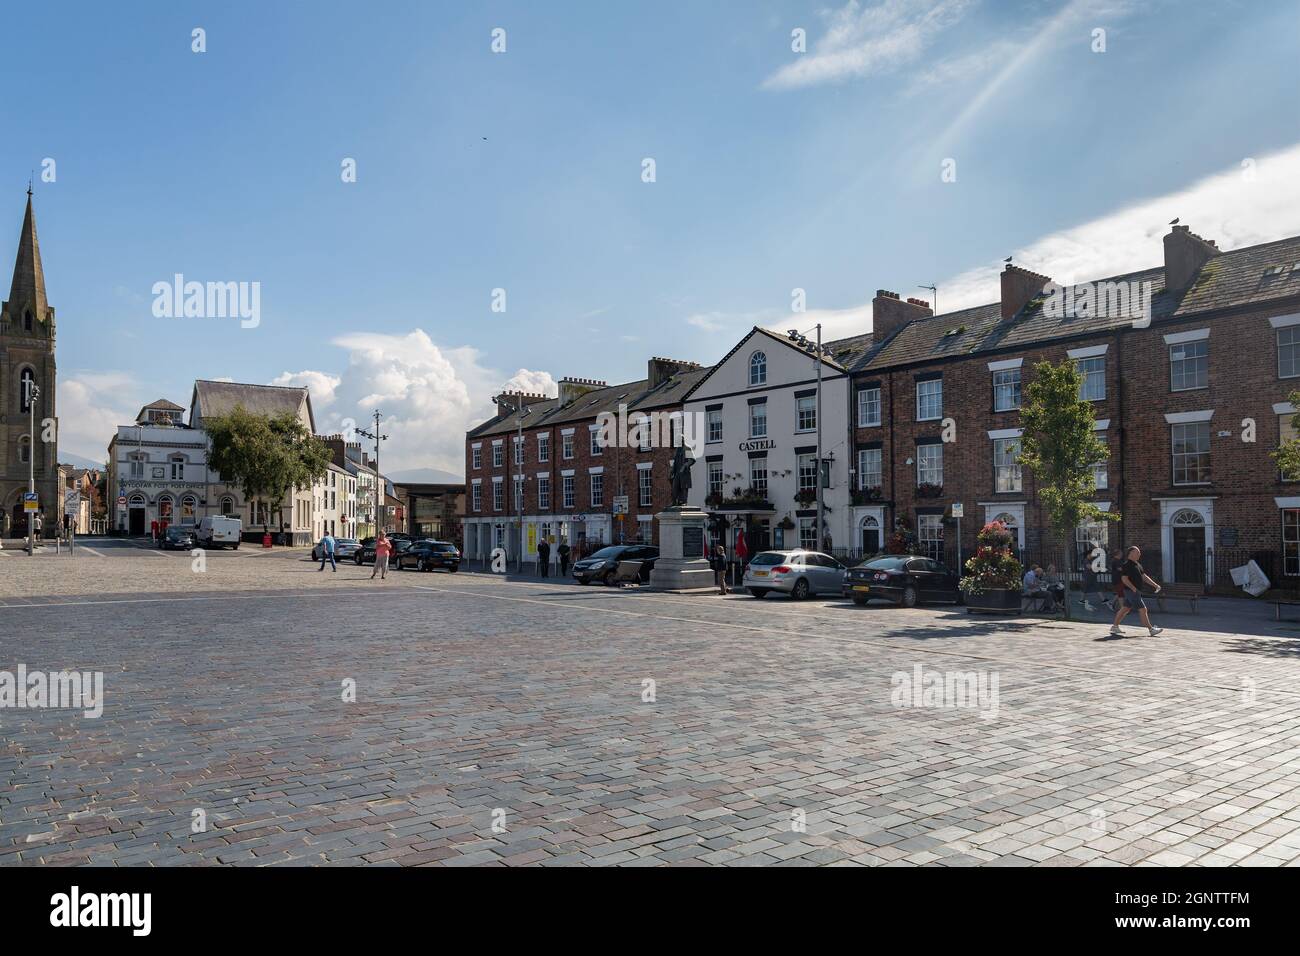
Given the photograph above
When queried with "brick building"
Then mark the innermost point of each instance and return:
(1189, 404)
(559, 478)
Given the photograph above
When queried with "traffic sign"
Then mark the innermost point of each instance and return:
(71, 502)
(620, 504)
(958, 509)
(121, 500)
(31, 501)
(581, 517)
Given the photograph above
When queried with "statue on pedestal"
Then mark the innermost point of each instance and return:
(680, 473)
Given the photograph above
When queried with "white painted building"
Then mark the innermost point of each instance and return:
(757, 413)
(335, 504)
(157, 472)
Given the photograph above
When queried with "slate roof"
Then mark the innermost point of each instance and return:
(637, 396)
(220, 398)
(1239, 277)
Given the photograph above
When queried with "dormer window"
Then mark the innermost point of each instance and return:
(758, 369)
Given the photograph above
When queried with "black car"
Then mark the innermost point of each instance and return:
(905, 579)
(602, 565)
(178, 539)
(366, 553)
(427, 555)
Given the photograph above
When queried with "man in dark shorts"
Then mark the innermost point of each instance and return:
(1131, 576)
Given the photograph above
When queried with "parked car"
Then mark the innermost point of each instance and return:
(220, 531)
(601, 565)
(905, 579)
(178, 539)
(799, 574)
(365, 553)
(343, 548)
(427, 555)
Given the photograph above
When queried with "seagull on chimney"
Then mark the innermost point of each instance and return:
(1007, 259)
(1174, 221)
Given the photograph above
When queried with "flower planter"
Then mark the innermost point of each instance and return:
(998, 600)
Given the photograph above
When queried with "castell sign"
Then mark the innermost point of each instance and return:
(758, 444)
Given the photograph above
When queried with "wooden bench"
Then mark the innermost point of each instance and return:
(1278, 604)
(1179, 592)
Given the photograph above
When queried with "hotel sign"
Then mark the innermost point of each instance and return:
(758, 444)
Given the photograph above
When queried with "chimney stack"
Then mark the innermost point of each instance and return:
(1019, 287)
(572, 388)
(507, 401)
(1185, 253)
(889, 313)
(660, 370)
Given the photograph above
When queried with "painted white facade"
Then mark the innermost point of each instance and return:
(780, 381)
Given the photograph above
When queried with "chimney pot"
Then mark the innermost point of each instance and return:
(889, 313)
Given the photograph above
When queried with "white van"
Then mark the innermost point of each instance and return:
(217, 531)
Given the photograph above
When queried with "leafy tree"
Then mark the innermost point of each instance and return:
(1288, 454)
(1059, 447)
(266, 456)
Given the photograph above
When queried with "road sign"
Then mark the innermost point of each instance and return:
(620, 505)
(121, 499)
(31, 501)
(71, 502)
(581, 517)
(958, 509)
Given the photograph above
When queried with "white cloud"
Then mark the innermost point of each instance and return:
(429, 396)
(321, 386)
(91, 405)
(1228, 207)
(861, 41)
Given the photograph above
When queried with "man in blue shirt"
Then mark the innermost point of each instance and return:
(327, 552)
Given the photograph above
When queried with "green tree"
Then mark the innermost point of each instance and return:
(266, 456)
(1059, 446)
(1287, 455)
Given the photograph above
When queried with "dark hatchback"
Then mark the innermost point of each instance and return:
(366, 553)
(601, 565)
(905, 579)
(178, 539)
(427, 555)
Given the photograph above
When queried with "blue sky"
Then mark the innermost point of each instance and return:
(522, 171)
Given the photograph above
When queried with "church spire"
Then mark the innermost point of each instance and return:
(28, 288)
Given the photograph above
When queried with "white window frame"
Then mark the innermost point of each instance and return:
(929, 392)
(869, 400)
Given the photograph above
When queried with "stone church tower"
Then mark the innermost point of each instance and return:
(27, 353)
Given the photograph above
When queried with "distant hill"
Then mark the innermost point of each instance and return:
(80, 461)
(425, 476)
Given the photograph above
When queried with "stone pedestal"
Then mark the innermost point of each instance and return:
(681, 564)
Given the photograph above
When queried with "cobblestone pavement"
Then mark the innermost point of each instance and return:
(510, 723)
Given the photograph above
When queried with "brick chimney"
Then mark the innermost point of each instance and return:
(889, 313)
(1185, 253)
(659, 370)
(508, 401)
(572, 388)
(1019, 286)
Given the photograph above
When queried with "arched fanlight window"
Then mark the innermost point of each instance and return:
(1188, 518)
(757, 369)
(165, 508)
(228, 507)
(188, 505)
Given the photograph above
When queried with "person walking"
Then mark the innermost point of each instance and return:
(383, 548)
(544, 557)
(719, 564)
(1117, 578)
(563, 553)
(1132, 575)
(327, 552)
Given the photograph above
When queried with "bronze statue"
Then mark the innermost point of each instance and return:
(680, 473)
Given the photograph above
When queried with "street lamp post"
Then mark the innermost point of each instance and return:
(821, 534)
(33, 393)
(377, 495)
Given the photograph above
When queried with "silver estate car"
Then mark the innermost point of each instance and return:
(799, 574)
